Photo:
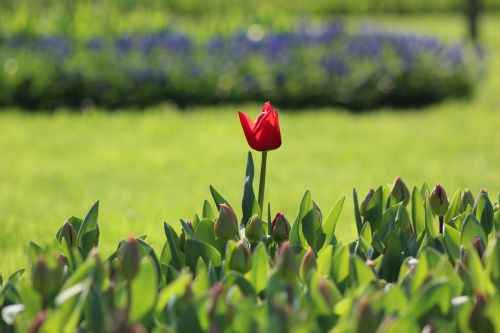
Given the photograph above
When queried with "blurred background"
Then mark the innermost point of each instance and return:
(134, 103)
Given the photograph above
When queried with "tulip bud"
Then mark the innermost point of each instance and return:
(400, 192)
(67, 233)
(240, 259)
(479, 245)
(326, 291)
(308, 262)
(286, 264)
(438, 200)
(129, 259)
(37, 322)
(467, 199)
(366, 201)
(43, 277)
(226, 226)
(253, 230)
(280, 228)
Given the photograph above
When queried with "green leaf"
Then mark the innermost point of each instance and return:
(393, 257)
(417, 211)
(97, 313)
(366, 233)
(218, 198)
(455, 206)
(324, 261)
(205, 232)
(492, 260)
(374, 209)
(479, 278)
(88, 235)
(171, 291)
(309, 219)
(483, 210)
(402, 220)
(232, 278)
(435, 293)
(340, 264)
(330, 223)
(357, 213)
(430, 225)
(187, 230)
(249, 203)
(297, 237)
(208, 212)
(452, 242)
(470, 230)
(143, 290)
(260, 268)
(195, 249)
(497, 220)
(173, 242)
(359, 273)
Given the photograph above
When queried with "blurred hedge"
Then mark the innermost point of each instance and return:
(310, 65)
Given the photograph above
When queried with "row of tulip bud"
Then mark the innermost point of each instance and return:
(226, 226)
(437, 199)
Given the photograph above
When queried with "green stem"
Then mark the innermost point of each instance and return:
(262, 182)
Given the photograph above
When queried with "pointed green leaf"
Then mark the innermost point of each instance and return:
(330, 223)
(143, 290)
(260, 268)
(483, 209)
(249, 203)
(417, 211)
(452, 242)
(357, 213)
(88, 235)
(195, 249)
(218, 198)
(470, 230)
(455, 206)
(173, 243)
(208, 212)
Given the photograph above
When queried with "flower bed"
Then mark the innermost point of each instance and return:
(312, 65)
(420, 262)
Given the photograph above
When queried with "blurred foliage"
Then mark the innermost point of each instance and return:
(310, 64)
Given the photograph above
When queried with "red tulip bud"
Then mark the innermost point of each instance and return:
(129, 258)
(326, 291)
(226, 225)
(400, 191)
(253, 230)
(308, 263)
(280, 228)
(240, 260)
(438, 200)
(37, 322)
(67, 233)
(45, 279)
(286, 264)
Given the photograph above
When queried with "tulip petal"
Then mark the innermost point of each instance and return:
(247, 125)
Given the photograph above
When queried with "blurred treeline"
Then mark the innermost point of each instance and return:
(85, 18)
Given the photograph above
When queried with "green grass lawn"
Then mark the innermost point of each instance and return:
(146, 168)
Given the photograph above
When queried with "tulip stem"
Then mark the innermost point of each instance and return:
(262, 182)
(441, 225)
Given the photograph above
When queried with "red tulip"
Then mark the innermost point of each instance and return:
(264, 134)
